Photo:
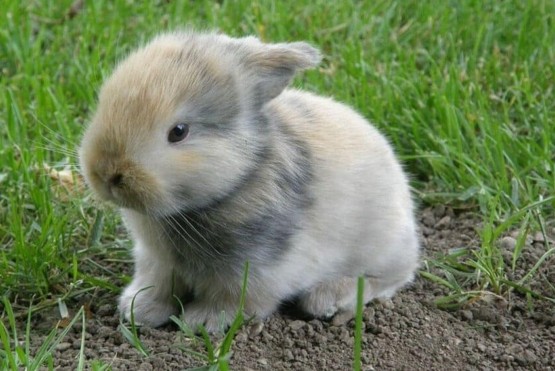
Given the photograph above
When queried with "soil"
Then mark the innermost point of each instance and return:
(408, 332)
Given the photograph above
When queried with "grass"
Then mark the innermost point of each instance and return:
(132, 335)
(483, 273)
(16, 355)
(357, 349)
(464, 91)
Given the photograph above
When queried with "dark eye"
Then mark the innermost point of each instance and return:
(178, 133)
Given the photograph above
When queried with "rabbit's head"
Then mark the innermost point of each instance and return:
(179, 125)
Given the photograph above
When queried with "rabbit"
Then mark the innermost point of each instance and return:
(214, 162)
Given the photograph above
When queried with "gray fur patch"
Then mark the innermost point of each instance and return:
(215, 239)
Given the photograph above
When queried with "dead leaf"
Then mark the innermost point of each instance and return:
(67, 182)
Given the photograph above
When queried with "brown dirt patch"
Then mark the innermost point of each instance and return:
(409, 332)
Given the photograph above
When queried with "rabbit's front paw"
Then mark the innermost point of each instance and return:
(326, 299)
(213, 319)
(147, 309)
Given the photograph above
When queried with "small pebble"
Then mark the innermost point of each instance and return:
(484, 314)
(297, 325)
(256, 328)
(369, 314)
(444, 222)
(344, 335)
(538, 237)
(439, 211)
(288, 355)
(529, 356)
(388, 304)
(507, 243)
(241, 337)
(145, 366)
(467, 315)
(63, 346)
(288, 343)
(507, 358)
(428, 218)
(426, 231)
(513, 349)
(342, 318)
(105, 310)
(267, 336)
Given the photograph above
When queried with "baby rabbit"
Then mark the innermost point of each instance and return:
(214, 163)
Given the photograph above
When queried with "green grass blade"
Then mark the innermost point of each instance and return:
(211, 353)
(434, 278)
(28, 333)
(7, 358)
(81, 364)
(52, 341)
(536, 266)
(225, 346)
(96, 231)
(357, 362)
(132, 335)
(11, 318)
(521, 240)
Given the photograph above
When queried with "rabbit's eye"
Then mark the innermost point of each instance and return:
(178, 133)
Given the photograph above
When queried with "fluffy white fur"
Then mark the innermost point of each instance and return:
(357, 218)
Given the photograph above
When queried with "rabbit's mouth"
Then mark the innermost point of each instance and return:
(120, 196)
(123, 197)
(128, 188)
(140, 198)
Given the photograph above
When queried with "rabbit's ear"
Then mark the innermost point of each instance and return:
(274, 65)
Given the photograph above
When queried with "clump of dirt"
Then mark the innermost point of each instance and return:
(408, 332)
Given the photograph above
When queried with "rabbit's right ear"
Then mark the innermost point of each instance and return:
(274, 65)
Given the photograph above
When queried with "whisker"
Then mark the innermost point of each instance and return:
(181, 228)
(202, 214)
(185, 234)
(168, 237)
(199, 254)
(191, 225)
(58, 147)
(52, 131)
(59, 150)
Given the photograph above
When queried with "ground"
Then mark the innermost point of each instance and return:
(409, 332)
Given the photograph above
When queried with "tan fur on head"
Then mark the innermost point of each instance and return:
(180, 77)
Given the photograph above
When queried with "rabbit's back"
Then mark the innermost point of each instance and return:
(362, 215)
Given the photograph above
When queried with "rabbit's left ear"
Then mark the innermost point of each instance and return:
(274, 66)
